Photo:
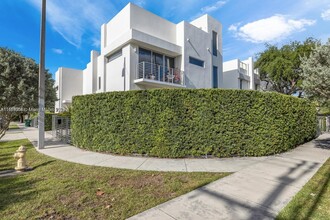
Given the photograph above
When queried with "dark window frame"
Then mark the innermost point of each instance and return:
(197, 62)
(215, 77)
(215, 43)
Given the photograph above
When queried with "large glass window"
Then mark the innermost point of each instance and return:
(169, 62)
(215, 77)
(144, 55)
(196, 62)
(158, 65)
(214, 43)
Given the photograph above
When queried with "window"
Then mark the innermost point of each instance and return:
(240, 84)
(215, 77)
(115, 55)
(144, 55)
(99, 82)
(214, 43)
(196, 62)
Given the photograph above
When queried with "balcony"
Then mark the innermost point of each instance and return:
(158, 76)
(243, 68)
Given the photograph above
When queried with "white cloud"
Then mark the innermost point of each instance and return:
(73, 20)
(57, 51)
(96, 42)
(272, 29)
(214, 7)
(326, 15)
(210, 8)
(140, 3)
(233, 27)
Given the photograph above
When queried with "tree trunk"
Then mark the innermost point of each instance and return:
(4, 128)
(21, 118)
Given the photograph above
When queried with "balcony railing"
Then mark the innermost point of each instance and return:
(243, 68)
(160, 73)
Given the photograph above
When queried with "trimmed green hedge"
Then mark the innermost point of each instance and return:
(191, 122)
(48, 120)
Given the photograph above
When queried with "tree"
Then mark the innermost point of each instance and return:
(280, 68)
(316, 74)
(19, 87)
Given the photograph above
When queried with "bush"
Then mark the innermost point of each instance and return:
(191, 122)
(48, 120)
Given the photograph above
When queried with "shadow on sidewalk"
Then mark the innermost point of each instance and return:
(263, 209)
(51, 143)
(323, 143)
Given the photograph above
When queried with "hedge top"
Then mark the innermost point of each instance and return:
(192, 122)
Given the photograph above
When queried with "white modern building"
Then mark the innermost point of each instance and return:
(239, 74)
(68, 83)
(140, 50)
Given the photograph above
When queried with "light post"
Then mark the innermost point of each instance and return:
(41, 89)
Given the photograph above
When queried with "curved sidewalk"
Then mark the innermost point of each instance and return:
(259, 189)
(73, 154)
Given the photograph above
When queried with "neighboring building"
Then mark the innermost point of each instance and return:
(140, 50)
(240, 75)
(68, 83)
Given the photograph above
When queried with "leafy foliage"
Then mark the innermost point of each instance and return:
(316, 74)
(280, 67)
(186, 122)
(19, 86)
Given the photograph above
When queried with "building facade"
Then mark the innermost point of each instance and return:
(140, 50)
(239, 74)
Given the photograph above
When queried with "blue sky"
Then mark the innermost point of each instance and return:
(73, 27)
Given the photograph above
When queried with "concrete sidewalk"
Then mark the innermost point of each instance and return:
(259, 189)
(73, 154)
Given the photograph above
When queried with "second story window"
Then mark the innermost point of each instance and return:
(196, 62)
(214, 43)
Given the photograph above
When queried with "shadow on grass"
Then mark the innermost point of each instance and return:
(14, 190)
(43, 164)
(322, 190)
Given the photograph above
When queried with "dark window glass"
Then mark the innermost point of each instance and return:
(215, 77)
(99, 82)
(144, 55)
(169, 62)
(215, 43)
(196, 62)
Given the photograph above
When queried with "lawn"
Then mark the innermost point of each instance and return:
(61, 190)
(313, 200)
(13, 126)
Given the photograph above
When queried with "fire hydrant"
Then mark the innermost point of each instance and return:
(21, 162)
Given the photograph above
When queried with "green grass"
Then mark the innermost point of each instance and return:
(13, 126)
(313, 200)
(62, 190)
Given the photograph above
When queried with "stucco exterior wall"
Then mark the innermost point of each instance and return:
(231, 79)
(133, 28)
(70, 84)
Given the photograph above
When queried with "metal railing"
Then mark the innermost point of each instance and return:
(160, 73)
(61, 128)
